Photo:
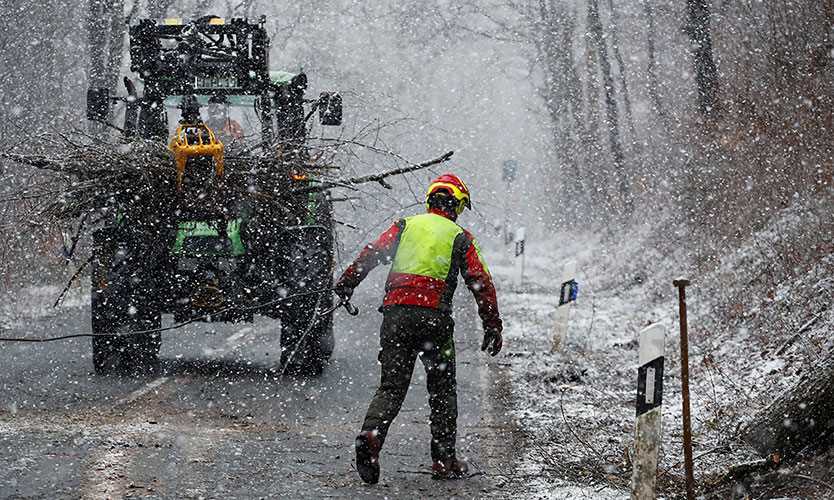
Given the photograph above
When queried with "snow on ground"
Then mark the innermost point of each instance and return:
(760, 317)
(754, 329)
(19, 307)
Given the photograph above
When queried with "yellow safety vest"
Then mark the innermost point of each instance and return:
(426, 246)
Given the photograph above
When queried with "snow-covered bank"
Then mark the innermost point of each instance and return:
(758, 321)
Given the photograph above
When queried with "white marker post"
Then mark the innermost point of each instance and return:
(560, 326)
(649, 401)
(508, 174)
(520, 240)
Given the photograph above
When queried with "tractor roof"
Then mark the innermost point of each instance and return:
(279, 78)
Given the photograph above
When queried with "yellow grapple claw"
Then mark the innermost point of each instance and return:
(191, 141)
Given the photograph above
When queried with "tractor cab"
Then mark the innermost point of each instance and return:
(225, 65)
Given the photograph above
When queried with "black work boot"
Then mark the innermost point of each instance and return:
(453, 468)
(367, 456)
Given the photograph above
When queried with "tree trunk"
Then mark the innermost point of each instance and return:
(116, 39)
(706, 74)
(158, 8)
(97, 24)
(561, 26)
(615, 48)
(651, 63)
(797, 418)
(581, 185)
(598, 179)
(552, 37)
(612, 113)
(97, 31)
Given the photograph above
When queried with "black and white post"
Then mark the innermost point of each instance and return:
(563, 312)
(649, 404)
(508, 175)
(520, 240)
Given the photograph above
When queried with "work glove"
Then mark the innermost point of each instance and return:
(493, 341)
(344, 292)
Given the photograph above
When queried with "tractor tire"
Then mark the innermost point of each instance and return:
(119, 305)
(306, 340)
(127, 353)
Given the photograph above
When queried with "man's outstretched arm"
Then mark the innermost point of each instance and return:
(374, 254)
(479, 281)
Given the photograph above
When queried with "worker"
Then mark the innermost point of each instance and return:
(426, 253)
(225, 128)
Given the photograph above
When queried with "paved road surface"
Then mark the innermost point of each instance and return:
(217, 422)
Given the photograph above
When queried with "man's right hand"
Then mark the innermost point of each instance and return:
(493, 341)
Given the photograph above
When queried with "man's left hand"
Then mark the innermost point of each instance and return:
(493, 341)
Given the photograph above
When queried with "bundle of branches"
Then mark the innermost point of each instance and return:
(83, 177)
(88, 177)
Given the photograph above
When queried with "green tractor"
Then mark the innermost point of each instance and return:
(239, 229)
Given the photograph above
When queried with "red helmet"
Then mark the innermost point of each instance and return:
(454, 186)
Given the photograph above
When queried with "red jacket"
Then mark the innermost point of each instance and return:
(425, 291)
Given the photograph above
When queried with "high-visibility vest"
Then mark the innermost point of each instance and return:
(426, 246)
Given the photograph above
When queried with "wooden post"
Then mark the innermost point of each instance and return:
(681, 284)
(649, 409)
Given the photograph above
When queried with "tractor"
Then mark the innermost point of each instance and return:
(235, 226)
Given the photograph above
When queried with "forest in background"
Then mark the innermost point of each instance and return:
(700, 118)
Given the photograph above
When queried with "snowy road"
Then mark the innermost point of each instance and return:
(218, 422)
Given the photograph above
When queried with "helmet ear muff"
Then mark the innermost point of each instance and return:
(462, 204)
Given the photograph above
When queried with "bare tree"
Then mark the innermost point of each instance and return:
(612, 114)
(552, 27)
(706, 74)
(615, 49)
(158, 8)
(651, 60)
(97, 31)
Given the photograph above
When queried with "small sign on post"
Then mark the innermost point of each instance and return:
(510, 170)
(519, 247)
(569, 292)
(649, 401)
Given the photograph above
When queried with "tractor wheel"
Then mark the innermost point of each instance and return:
(119, 305)
(306, 339)
(127, 353)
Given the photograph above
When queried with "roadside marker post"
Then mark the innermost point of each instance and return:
(509, 172)
(563, 311)
(649, 410)
(519, 240)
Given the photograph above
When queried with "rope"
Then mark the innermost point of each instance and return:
(168, 328)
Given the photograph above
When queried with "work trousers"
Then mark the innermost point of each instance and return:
(406, 334)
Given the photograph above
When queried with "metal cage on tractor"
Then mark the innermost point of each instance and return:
(230, 234)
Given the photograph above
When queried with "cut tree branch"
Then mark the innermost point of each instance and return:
(380, 177)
